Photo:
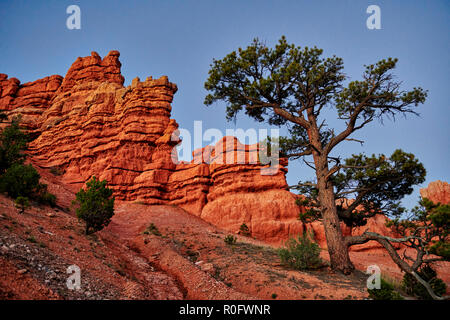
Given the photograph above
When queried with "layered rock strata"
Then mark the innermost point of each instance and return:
(87, 123)
(437, 191)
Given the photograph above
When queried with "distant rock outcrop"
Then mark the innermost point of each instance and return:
(30, 99)
(437, 191)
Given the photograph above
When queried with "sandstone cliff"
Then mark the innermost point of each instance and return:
(88, 123)
(437, 191)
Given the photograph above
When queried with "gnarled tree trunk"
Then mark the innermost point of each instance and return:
(337, 248)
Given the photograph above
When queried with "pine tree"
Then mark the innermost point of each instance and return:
(291, 86)
(96, 205)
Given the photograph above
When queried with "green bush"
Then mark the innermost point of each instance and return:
(386, 292)
(45, 197)
(13, 143)
(17, 179)
(244, 230)
(48, 198)
(23, 181)
(20, 180)
(230, 239)
(441, 249)
(414, 288)
(152, 229)
(301, 253)
(22, 203)
(96, 205)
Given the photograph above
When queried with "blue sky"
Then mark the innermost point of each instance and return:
(180, 38)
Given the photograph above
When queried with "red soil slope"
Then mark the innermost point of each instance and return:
(188, 260)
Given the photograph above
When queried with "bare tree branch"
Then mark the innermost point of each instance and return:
(356, 140)
(386, 242)
(304, 184)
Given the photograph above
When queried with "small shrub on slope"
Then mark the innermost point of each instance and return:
(301, 253)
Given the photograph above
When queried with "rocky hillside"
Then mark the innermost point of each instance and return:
(179, 257)
(157, 252)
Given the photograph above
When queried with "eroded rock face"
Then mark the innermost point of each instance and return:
(88, 123)
(270, 215)
(30, 99)
(244, 192)
(437, 191)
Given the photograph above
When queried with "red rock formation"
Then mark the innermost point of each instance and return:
(239, 193)
(30, 99)
(93, 69)
(8, 90)
(437, 191)
(88, 123)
